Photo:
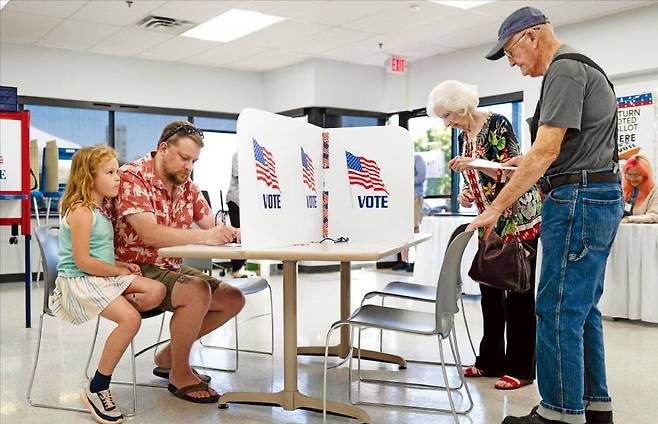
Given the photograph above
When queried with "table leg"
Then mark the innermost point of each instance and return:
(341, 350)
(290, 397)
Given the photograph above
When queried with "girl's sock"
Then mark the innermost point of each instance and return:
(99, 382)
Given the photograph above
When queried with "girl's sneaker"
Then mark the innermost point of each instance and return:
(101, 405)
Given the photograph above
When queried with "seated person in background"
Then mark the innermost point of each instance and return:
(639, 192)
(156, 207)
(233, 202)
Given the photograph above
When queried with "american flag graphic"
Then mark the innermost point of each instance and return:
(635, 101)
(265, 166)
(308, 172)
(325, 150)
(325, 214)
(364, 172)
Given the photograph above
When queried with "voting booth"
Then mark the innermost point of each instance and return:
(300, 183)
(15, 187)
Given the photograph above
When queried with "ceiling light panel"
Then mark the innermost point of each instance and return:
(229, 26)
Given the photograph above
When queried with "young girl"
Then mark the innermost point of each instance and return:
(90, 282)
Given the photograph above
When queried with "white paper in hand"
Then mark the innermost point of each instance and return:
(487, 164)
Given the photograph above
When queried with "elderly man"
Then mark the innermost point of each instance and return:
(574, 148)
(156, 207)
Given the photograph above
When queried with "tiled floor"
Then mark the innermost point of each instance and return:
(631, 359)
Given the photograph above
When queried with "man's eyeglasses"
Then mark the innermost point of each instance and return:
(187, 129)
(508, 52)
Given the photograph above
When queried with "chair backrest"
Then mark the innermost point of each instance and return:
(460, 229)
(48, 240)
(449, 285)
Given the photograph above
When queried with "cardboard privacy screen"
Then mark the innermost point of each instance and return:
(300, 183)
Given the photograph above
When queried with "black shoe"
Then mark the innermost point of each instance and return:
(410, 268)
(533, 418)
(402, 266)
(598, 417)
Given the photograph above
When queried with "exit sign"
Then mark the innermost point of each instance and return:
(397, 65)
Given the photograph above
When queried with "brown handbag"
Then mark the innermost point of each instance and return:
(501, 265)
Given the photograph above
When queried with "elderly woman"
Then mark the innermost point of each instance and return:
(486, 135)
(639, 192)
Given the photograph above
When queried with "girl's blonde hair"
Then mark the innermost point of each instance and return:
(80, 187)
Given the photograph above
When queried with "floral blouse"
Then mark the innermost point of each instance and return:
(497, 142)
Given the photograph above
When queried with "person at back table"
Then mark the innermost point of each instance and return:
(233, 203)
(156, 207)
(639, 192)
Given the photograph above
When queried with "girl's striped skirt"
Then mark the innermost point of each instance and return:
(79, 299)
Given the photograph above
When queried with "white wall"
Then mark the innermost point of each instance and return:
(66, 74)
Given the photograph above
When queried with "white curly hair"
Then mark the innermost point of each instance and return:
(453, 96)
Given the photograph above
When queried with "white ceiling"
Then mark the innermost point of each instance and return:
(363, 32)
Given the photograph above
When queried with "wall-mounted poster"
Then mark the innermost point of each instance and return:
(636, 120)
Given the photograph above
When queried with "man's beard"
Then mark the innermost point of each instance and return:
(177, 178)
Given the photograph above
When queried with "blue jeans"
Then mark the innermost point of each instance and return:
(579, 224)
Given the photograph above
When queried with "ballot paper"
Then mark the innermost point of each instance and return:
(487, 164)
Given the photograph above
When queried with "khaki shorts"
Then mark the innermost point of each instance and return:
(418, 210)
(169, 278)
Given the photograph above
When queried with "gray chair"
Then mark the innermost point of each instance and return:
(421, 293)
(247, 286)
(440, 324)
(48, 241)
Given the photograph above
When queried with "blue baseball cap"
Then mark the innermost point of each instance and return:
(521, 19)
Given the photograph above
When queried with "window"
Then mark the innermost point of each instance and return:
(136, 134)
(358, 121)
(69, 126)
(216, 124)
(212, 172)
(433, 141)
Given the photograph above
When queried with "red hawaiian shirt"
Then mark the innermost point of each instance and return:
(142, 191)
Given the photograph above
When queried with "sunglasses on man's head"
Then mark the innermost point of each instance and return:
(187, 129)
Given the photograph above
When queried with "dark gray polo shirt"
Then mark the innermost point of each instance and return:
(578, 97)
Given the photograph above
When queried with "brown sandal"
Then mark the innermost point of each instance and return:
(199, 387)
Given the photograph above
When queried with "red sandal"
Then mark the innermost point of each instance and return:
(473, 372)
(507, 382)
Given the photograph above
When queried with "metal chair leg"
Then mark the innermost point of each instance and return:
(468, 331)
(34, 371)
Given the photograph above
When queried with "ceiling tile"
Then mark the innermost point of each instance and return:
(578, 11)
(363, 48)
(503, 9)
(18, 27)
(337, 13)
(281, 33)
(55, 8)
(129, 42)
(201, 11)
(266, 61)
(401, 17)
(436, 31)
(77, 35)
(115, 12)
(224, 53)
(177, 49)
(326, 40)
(282, 8)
